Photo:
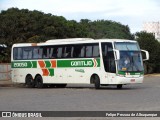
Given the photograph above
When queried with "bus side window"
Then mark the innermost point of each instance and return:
(82, 51)
(51, 52)
(24, 54)
(40, 52)
(59, 52)
(54, 53)
(46, 52)
(35, 53)
(68, 52)
(76, 51)
(27, 53)
(88, 51)
(72, 49)
(96, 51)
(17, 53)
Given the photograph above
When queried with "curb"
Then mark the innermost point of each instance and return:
(152, 75)
(6, 83)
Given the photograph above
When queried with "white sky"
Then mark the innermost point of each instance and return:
(128, 12)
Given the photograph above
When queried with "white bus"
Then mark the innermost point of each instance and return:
(60, 62)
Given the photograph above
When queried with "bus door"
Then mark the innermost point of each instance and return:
(109, 62)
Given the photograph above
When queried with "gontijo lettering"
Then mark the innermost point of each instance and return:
(81, 63)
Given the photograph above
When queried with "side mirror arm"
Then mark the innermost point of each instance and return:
(147, 55)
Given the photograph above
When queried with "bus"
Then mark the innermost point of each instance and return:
(59, 62)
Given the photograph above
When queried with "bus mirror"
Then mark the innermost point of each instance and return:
(117, 54)
(147, 55)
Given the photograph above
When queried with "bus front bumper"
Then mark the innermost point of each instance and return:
(129, 80)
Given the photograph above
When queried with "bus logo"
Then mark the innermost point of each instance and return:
(81, 63)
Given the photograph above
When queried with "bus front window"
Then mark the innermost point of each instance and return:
(130, 56)
(130, 61)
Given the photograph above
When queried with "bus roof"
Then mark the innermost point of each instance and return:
(70, 41)
(114, 40)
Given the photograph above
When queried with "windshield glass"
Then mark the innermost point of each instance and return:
(130, 56)
(130, 61)
(127, 46)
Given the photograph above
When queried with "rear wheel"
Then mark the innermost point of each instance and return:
(96, 82)
(30, 82)
(39, 82)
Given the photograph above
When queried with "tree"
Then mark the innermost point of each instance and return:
(3, 53)
(23, 26)
(148, 42)
(105, 29)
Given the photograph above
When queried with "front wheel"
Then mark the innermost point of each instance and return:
(39, 82)
(96, 82)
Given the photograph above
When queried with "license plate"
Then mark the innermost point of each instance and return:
(132, 80)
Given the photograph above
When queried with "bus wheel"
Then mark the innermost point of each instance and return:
(29, 81)
(96, 82)
(39, 82)
(119, 86)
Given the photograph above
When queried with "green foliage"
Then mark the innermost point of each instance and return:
(109, 29)
(148, 42)
(21, 26)
(3, 54)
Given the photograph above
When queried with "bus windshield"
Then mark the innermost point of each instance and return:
(127, 46)
(130, 57)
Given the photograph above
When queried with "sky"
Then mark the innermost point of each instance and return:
(128, 12)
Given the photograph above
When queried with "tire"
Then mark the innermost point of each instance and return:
(30, 82)
(39, 82)
(119, 86)
(96, 82)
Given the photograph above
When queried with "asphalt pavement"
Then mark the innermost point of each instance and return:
(137, 97)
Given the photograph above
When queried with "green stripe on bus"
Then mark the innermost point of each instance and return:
(48, 64)
(51, 72)
(78, 63)
(34, 63)
(98, 62)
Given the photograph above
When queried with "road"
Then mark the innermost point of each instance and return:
(138, 97)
